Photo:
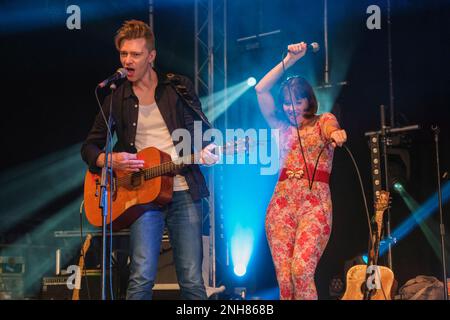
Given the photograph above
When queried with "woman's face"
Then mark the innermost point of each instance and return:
(300, 106)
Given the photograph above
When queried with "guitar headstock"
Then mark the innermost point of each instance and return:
(382, 202)
(381, 205)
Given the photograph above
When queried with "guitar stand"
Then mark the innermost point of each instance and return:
(383, 136)
(367, 293)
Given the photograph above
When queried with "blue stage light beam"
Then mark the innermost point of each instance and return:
(30, 187)
(224, 99)
(422, 213)
(241, 249)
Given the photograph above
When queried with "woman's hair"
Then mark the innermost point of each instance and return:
(300, 88)
(135, 29)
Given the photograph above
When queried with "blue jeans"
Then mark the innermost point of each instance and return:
(184, 222)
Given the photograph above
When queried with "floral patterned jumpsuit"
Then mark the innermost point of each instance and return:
(298, 220)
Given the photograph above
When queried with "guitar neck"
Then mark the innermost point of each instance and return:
(87, 243)
(172, 166)
(379, 224)
(168, 167)
(380, 206)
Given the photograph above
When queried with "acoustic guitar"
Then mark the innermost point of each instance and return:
(133, 193)
(362, 286)
(76, 290)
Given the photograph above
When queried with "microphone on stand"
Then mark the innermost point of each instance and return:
(119, 74)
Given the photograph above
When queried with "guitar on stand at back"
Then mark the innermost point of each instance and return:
(79, 274)
(371, 281)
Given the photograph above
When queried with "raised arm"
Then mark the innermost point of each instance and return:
(265, 99)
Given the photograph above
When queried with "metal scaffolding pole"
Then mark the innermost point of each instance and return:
(150, 13)
(210, 76)
(150, 18)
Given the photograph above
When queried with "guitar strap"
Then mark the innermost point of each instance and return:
(187, 97)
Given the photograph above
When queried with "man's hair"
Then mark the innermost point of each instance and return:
(135, 29)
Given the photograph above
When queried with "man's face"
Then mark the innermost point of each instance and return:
(136, 58)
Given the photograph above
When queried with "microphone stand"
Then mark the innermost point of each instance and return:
(384, 143)
(436, 131)
(371, 261)
(104, 194)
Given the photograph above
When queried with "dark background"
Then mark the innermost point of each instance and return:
(50, 72)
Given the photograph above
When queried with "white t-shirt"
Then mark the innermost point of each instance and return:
(152, 131)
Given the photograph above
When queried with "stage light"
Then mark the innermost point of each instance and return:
(240, 270)
(251, 81)
(241, 249)
(365, 258)
(398, 187)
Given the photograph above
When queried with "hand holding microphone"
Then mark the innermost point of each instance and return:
(298, 50)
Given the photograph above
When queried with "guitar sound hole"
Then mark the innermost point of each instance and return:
(136, 179)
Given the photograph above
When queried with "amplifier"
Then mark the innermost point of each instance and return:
(11, 286)
(55, 287)
(12, 265)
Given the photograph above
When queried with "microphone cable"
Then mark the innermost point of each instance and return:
(296, 123)
(311, 180)
(362, 191)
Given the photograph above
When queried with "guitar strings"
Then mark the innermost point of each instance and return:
(156, 170)
(163, 167)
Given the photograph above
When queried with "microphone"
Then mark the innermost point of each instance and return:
(314, 46)
(120, 73)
